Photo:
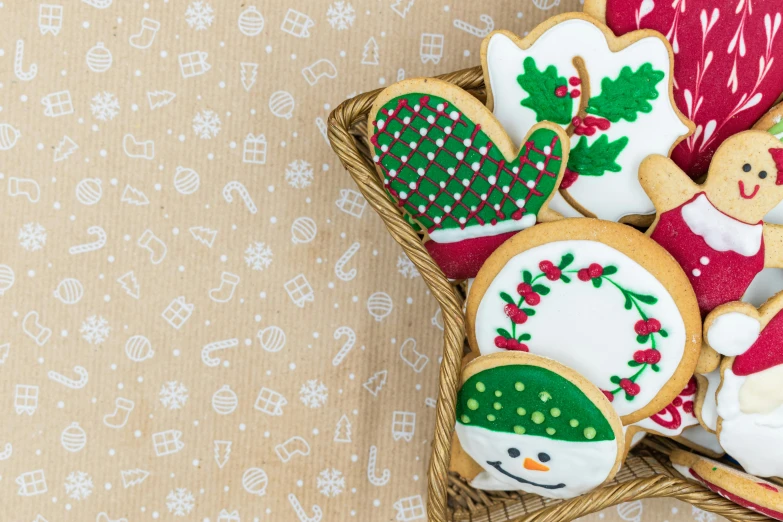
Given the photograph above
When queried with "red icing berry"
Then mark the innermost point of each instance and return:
(601, 123)
(518, 214)
(688, 407)
(569, 178)
(641, 327)
(554, 274)
(561, 91)
(677, 402)
(639, 356)
(609, 395)
(524, 289)
(595, 270)
(501, 342)
(546, 266)
(511, 310)
(516, 346)
(583, 275)
(576, 93)
(653, 325)
(532, 299)
(574, 81)
(630, 387)
(576, 121)
(650, 326)
(653, 356)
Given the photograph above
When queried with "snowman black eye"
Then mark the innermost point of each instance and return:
(747, 167)
(513, 453)
(543, 457)
(763, 174)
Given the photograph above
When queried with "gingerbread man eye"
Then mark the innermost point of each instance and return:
(763, 174)
(513, 453)
(747, 167)
(543, 457)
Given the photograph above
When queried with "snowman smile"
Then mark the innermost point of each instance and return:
(498, 467)
(747, 196)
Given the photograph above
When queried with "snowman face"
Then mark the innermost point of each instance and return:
(546, 467)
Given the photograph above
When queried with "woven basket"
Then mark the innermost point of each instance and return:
(647, 473)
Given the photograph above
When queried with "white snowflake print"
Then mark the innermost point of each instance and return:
(258, 256)
(173, 395)
(702, 516)
(313, 394)
(331, 482)
(206, 124)
(32, 236)
(406, 268)
(180, 502)
(95, 329)
(299, 174)
(105, 106)
(199, 15)
(78, 485)
(341, 15)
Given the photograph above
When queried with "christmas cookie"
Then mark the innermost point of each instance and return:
(676, 416)
(743, 489)
(750, 397)
(536, 426)
(716, 230)
(728, 66)
(599, 297)
(612, 95)
(701, 440)
(449, 165)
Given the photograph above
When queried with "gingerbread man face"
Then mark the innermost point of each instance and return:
(745, 179)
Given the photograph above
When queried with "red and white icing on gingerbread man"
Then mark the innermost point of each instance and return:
(715, 230)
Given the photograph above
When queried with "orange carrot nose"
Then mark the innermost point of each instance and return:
(534, 465)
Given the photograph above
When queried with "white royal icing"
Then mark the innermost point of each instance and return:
(585, 328)
(709, 408)
(733, 333)
(767, 283)
(615, 194)
(581, 466)
(703, 438)
(753, 439)
(452, 235)
(721, 232)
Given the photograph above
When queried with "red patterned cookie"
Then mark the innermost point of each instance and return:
(676, 416)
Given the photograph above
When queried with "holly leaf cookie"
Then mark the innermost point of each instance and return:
(611, 95)
(750, 398)
(448, 164)
(534, 425)
(599, 297)
(728, 66)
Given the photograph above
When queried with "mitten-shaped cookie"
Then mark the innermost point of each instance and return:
(750, 396)
(716, 230)
(534, 425)
(447, 162)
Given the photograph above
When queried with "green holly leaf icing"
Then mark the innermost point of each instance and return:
(540, 87)
(597, 158)
(448, 174)
(533, 401)
(628, 95)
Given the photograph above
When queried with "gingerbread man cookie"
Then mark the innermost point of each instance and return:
(716, 230)
(534, 425)
(449, 165)
(611, 95)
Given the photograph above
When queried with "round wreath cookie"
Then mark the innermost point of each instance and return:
(534, 425)
(448, 164)
(611, 95)
(599, 297)
(743, 489)
(716, 230)
(729, 65)
(750, 396)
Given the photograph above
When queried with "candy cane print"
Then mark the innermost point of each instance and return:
(99, 243)
(371, 476)
(28, 75)
(206, 352)
(338, 267)
(243, 193)
(347, 346)
(300, 512)
(489, 25)
(67, 381)
(7, 450)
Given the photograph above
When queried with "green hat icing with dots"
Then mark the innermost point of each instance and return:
(531, 400)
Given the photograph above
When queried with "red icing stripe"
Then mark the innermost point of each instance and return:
(765, 353)
(738, 500)
(463, 259)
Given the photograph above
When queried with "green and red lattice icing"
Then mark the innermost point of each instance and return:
(447, 173)
(533, 289)
(551, 96)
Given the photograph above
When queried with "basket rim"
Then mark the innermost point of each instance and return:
(340, 123)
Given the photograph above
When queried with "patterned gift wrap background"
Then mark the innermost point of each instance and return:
(200, 318)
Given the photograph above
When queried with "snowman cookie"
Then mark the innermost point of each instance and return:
(716, 230)
(599, 297)
(729, 62)
(750, 396)
(534, 425)
(611, 95)
(448, 164)
(743, 489)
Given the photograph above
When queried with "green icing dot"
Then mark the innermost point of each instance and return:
(480, 386)
(498, 393)
(519, 430)
(473, 404)
(551, 431)
(465, 419)
(518, 386)
(537, 417)
(521, 411)
(554, 412)
(497, 405)
(574, 423)
(491, 418)
(589, 433)
(544, 396)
